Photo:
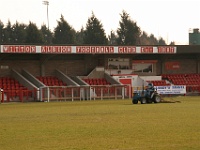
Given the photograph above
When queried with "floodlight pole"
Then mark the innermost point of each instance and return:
(47, 3)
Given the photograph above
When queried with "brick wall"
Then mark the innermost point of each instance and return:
(84, 64)
(69, 67)
(32, 66)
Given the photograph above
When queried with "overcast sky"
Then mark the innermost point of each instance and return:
(170, 19)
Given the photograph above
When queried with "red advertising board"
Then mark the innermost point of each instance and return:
(172, 65)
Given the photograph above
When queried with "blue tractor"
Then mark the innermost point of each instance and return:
(149, 95)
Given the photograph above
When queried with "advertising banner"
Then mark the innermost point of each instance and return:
(65, 49)
(172, 65)
(174, 89)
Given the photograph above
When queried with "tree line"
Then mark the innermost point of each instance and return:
(128, 33)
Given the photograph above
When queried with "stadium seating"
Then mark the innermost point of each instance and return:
(51, 81)
(54, 81)
(192, 81)
(99, 82)
(13, 89)
(159, 82)
(96, 81)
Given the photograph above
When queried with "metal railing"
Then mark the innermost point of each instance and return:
(65, 93)
(71, 93)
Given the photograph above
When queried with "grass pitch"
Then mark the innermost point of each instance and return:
(101, 125)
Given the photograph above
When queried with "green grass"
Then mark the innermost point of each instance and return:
(101, 125)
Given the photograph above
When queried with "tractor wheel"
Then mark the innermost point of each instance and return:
(143, 100)
(134, 101)
(157, 99)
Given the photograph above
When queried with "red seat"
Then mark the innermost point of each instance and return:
(51, 81)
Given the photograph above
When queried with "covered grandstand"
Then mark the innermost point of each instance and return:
(48, 73)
